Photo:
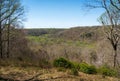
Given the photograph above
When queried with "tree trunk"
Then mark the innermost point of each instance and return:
(1, 53)
(8, 41)
(115, 58)
(1, 35)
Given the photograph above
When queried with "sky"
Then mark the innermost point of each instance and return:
(59, 14)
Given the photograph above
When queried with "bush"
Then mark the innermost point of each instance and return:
(74, 71)
(106, 71)
(76, 65)
(84, 67)
(61, 69)
(62, 62)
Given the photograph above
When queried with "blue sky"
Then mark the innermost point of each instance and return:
(59, 14)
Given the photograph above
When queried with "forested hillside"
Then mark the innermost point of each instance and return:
(79, 44)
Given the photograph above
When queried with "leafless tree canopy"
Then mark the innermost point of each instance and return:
(11, 13)
(110, 20)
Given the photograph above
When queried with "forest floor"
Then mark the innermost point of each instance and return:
(37, 74)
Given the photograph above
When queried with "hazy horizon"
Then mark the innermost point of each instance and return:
(58, 27)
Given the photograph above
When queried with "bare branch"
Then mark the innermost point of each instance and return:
(112, 3)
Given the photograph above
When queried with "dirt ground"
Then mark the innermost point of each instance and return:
(37, 74)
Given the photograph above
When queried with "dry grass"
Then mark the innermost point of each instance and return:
(35, 73)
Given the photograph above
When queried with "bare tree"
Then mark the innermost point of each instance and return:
(115, 3)
(112, 30)
(10, 15)
(110, 20)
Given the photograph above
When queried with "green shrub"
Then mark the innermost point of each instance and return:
(92, 70)
(76, 65)
(62, 62)
(84, 67)
(106, 71)
(74, 71)
(61, 69)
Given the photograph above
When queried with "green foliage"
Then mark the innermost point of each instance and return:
(61, 69)
(47, 39)
(62, 62)
(106, 71)
(84, 67)
(76, 65)
(74, 71)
